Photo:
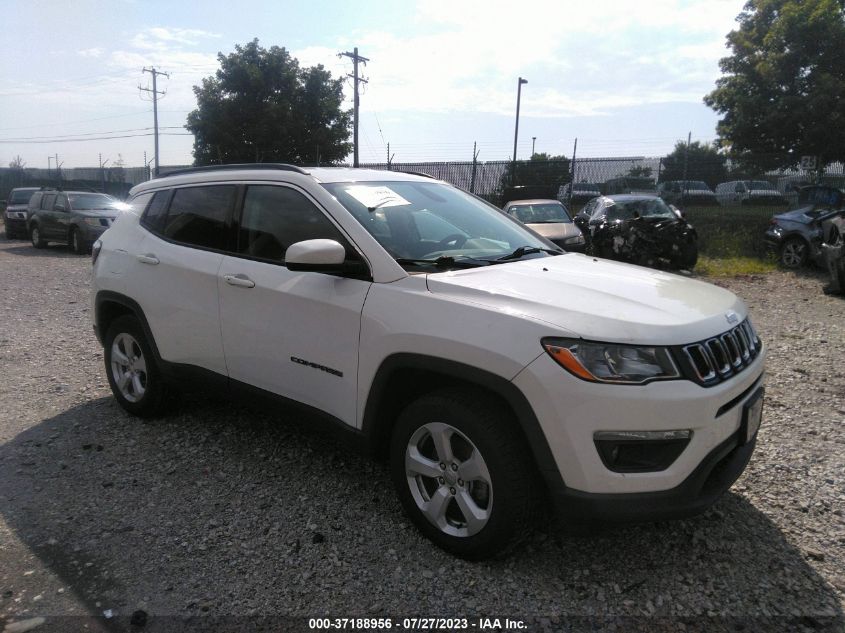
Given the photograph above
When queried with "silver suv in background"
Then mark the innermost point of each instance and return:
(749, 193)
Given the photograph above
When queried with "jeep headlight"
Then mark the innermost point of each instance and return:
(575, 239)
(612, 362)
(93, 221)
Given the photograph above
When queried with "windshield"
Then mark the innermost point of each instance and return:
(645, 208)
(421, 220)
(759, 184)
(90, 201)
(540, 213)
(21, 196)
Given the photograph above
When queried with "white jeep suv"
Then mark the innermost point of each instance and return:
(498, 374)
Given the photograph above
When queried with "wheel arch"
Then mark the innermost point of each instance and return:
(109, 305)
(403, 377)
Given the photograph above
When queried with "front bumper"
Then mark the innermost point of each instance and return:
(15, 226)
(571, 412)
(704, 485)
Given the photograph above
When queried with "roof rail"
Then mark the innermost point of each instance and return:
(229, 167)
(417, 173)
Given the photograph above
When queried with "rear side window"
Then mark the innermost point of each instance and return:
(198, 216)
(47, 201)
(153, 217)
(276, 217)
(35, 200)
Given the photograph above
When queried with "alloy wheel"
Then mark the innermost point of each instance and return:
(448, 479)
(793, 254)
(128, 366)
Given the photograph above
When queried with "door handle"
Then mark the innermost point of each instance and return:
(239, 280)
(148, 258)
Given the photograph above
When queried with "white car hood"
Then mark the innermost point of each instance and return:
(598, 299)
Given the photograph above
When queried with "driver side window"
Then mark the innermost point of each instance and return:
(275, 217)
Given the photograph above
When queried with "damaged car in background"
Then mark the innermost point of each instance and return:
(641, 229)
(796, 236)
(833, 251)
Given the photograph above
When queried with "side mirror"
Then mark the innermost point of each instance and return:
(326, 256)
(677, 211)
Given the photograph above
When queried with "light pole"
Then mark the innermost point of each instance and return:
(516, 127)
(533, 142)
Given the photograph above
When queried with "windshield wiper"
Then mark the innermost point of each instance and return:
(445, 261)
(522, 251)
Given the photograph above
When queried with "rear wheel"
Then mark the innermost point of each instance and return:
(35, 235)
(76, 242)
(794, 253)
(133, 375)
(463, 473)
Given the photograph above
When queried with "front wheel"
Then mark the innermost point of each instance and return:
(463, 473)
(794, 253)
(133, 375)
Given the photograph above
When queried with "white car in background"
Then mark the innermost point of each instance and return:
(749, 193)
(497, 374)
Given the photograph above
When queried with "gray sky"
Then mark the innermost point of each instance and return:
(626, 78)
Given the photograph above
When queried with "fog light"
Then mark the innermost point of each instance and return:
(640, 451)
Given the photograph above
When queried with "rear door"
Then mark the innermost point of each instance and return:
(294, 334)
(46, 220)
(174, 271)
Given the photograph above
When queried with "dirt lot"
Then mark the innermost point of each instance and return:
(217, 511)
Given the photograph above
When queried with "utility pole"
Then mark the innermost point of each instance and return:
(356, 59)
(49, 166)
(686, 162)
(533, 143)
(572, 181)
(474, 166)
(155, 73)
(103, 172)
(516, 127)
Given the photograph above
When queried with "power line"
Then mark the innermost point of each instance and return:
(96, 138)
(70, 136)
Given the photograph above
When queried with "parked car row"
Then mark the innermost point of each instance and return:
(44, 215)
(679, 192)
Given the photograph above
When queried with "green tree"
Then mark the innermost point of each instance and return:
(784, 84)
(703, 160)
(261, 106)
(541, 177)
(639, 171)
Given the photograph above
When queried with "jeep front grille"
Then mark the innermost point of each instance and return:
(723, 356)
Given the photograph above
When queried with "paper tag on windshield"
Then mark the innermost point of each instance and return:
(376, 197)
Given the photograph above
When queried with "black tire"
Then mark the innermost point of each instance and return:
(794, 253)
(76, 243)
(512, 493)
(35, 236)
(151, 401)
(688, 257)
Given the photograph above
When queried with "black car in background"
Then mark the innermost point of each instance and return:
(638, 228)
(75, 218)
(14, 217)
(796, 236)
(580, 194)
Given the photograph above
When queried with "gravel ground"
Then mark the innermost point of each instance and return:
(217, 513)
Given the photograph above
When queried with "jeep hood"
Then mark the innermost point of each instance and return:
(597, 299)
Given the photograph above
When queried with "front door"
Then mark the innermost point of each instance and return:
(294, 334)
